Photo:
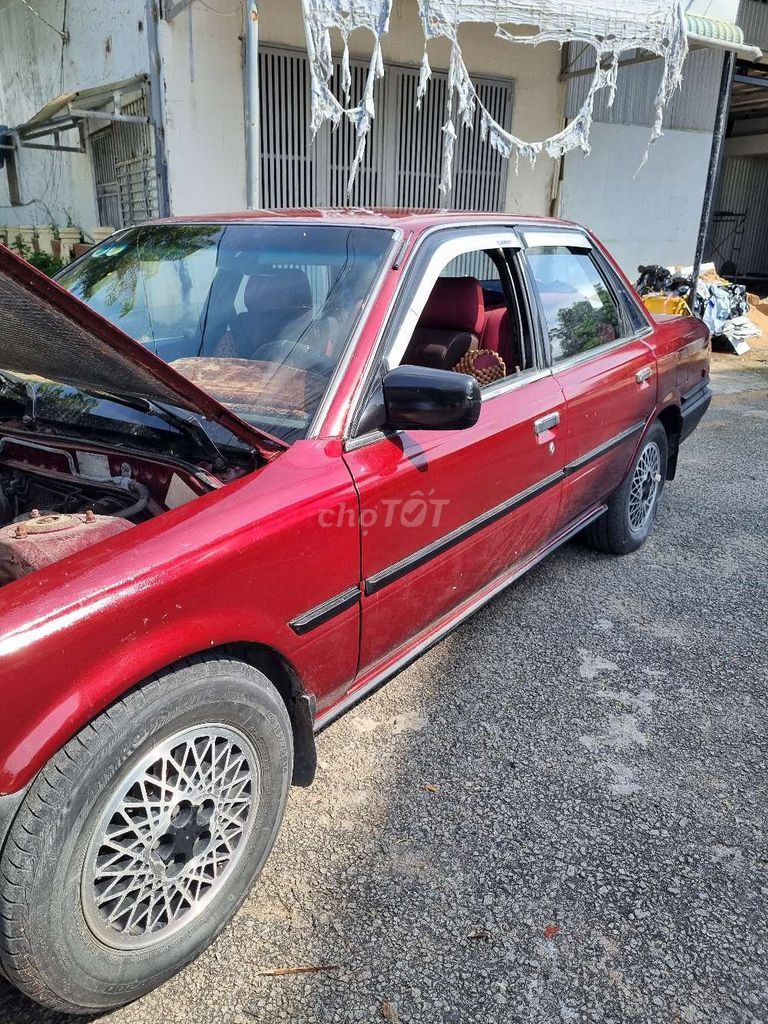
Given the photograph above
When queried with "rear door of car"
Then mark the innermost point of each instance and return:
(445, 513)
(599, 357)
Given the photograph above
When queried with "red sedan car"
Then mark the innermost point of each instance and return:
(250, 466)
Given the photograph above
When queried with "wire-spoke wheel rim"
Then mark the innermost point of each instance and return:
(644, 488)
(171, 834)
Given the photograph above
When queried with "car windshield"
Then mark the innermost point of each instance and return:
(255, 314)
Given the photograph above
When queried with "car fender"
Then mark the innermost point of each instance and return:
(236, 566)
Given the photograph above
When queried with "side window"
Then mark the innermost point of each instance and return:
(580, 311)
(468, 323)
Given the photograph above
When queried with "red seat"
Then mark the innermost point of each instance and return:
(450, 324)
(497, 336)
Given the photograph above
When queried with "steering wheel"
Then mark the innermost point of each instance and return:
(295, 354)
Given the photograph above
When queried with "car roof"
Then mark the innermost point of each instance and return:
(382, 217)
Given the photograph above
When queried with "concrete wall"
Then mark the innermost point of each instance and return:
(35, 67)
(203, 86)
(204, 109)
(646, 216)
(204, 115)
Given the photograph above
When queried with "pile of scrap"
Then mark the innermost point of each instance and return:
(726, 309)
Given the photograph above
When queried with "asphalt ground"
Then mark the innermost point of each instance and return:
(558, 813)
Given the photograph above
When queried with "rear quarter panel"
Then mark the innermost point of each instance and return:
(681, 345)
(682, 348)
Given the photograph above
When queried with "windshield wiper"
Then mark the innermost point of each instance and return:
(190, 426)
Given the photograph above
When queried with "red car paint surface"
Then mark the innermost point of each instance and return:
(241, 564)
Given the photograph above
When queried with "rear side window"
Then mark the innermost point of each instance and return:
(578, 306)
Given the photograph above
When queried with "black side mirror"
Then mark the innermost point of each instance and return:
(422, 398)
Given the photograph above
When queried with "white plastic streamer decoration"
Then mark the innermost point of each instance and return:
(611, 29)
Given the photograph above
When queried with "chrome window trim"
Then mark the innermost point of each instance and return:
(503, 224)
(513, 382)
(609, 346)
(574, 239)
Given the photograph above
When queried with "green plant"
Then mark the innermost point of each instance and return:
(44, 261)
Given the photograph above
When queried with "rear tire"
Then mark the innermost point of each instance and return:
(138, 841)
(631, 512)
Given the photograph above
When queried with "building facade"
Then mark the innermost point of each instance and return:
(148, 105)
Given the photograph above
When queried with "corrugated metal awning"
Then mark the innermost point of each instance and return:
(720, 34)
(70, 111)
(702, 32)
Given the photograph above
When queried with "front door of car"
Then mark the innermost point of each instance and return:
(606, 372)
(443, 513)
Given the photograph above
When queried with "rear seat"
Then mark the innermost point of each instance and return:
(498, 337)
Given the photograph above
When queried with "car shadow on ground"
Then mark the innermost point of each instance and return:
(557, 814)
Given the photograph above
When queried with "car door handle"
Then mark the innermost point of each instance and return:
(546, 422)
(644, 374)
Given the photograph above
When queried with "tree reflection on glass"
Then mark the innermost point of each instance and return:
(116, 268)
(585, 325)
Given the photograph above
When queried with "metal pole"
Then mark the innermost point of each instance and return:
(252, 167)
(713, 171)
(156, 108)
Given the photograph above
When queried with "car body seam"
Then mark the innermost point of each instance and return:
(390, 574)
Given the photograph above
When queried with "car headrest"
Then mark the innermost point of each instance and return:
(278, 288)
(438, 348)
(456, 304)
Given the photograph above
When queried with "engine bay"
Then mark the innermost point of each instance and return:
(57, 500)
(22, 493)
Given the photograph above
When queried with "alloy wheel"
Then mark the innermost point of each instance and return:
(644, 488)
(170, 835)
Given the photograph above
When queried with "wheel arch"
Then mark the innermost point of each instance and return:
(299, 704)
(60, 714)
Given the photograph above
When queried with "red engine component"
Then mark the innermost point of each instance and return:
(33, 543)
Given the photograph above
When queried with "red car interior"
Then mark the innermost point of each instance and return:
(450, 324)
(497, 337)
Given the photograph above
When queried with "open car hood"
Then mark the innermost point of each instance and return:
(47, 332)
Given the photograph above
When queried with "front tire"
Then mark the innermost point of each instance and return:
(139, 840)
(627, 523)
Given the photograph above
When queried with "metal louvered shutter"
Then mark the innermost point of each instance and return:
(403, 158)
(419, 151)
(336, 150)
(287, 162)
(479, 172)
(122, 155)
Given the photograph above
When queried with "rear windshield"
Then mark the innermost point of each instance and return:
(255, 314)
